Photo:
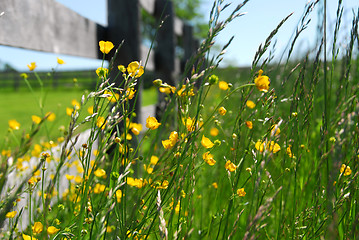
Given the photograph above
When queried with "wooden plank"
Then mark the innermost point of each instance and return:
(151, 59)
(46, 25)
(178, 26)
(148, 5)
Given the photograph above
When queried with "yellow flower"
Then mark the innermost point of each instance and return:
(69, 177)
(37, 228)
(241, 192)
(154, 160)
(105, 46)
(230, 166)
(275, 130)
(208, 158)
(262, 82)
(50, 116)
(169, 143)
(289, 151)
(130, 93)
(152, 123)
(121, 68)
(11, 214)
(214, 132)
(100, 173)
(90, 110)
(102, 72)
(346, 169)
(52, 230)
(250, 104)
(99, 188)
(100, 122)
(135, 182)
(249, 124)
(14, 125)
(223, 85)
(75, 103)
(222, 111)
(135, 70)
(27, 237)
(189, 123)
(118, 195)
(271, 147)
(60, 61)
(24, 75)
(32, 66)
(69, 111)
(136, 128)
(36, 119)
(114, 97)
(215, 185)
(206, 142)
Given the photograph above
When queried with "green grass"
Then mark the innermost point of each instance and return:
(23, 104)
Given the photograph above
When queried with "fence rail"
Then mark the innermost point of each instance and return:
(46, 25)
(85, 79)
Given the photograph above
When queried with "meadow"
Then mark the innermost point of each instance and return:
(265, 152)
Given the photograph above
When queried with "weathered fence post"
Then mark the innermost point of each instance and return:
(124, 20)
(165, 49)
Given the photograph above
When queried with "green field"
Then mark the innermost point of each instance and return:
(21, 105)
(265, 152)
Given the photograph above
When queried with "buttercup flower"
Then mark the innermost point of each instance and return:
(37, 228)
(135, 70)
(154, 160)
(60, 61)
(100, 173)
(105, 46)
(249, 124)
(24, 75)
(101, 72)
(206, 142)
(271, 146)
(136, 128)
(52, 230)
(346, 169)
(100, 122)
(223, 85)
(114, 97)
(36, 119)
(250, 104)
(222, 111)
(189, 123)
(214, 132)
(121, 68)
(171, 141)
(27, 237)
(275, 130)
(130, 93)
(262, 82)
(241, 192)
(230, 166)
(14, 125)
(208, 158)
(11, 214)
(50, 116)
(152, 123)
(32, 66)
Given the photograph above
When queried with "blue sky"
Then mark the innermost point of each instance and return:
(250, 30)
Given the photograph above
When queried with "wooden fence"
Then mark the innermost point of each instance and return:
(46, 25)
